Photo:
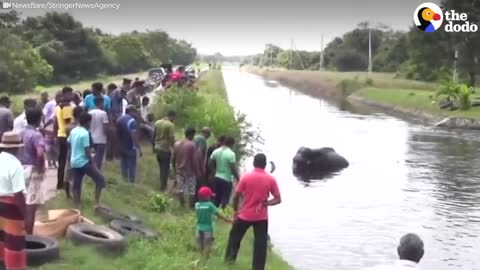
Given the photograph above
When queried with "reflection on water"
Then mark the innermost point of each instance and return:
(402, 178)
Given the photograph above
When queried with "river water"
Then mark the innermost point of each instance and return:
(402, 178)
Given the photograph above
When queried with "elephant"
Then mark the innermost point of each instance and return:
(310, 163)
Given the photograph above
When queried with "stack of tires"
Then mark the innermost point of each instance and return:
(108, 240)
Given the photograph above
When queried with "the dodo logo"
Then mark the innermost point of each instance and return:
(428, 17)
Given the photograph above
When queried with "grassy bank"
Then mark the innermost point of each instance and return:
(383, 88)
(176, 249)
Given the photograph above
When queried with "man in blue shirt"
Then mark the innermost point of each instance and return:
(127, 134)
(81, 161)
(97, 91)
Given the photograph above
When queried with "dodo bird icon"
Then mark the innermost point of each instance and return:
(428, 19)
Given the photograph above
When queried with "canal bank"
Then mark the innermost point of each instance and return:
(402, 178)
(407, 98)
(176, 249)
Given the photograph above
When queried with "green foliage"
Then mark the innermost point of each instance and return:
(464, 93)
(76, 52)
(128, 53)
(159, 203)
(209, 107)
(348, 86)
(459, 93)
(21, 67)
(369, 81)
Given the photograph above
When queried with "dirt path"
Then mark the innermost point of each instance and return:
(51, 183)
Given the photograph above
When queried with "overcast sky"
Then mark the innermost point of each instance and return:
(240, 27)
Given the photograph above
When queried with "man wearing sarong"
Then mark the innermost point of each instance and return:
(12, 203)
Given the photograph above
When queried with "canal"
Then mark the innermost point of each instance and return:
(402, 178)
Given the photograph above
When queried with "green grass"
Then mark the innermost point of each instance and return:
(176, 248)
(414, 99)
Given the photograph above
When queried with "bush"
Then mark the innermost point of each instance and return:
(210, 108)
(348, 86)
(458, 93)
(464, 100)
(159, 203)
(369, 81)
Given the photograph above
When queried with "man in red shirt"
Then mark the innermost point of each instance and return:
(255, 188)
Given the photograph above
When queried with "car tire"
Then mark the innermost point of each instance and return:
(125, 227)
(108, 214)
(41, 250)
(103, 238)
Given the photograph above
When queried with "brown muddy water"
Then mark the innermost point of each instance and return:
(402, 178)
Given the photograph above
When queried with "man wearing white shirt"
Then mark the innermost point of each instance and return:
(20, 123)
(410, 252)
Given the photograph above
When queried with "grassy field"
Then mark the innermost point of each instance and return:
(415, 99)
(176, 249)
(385, 88)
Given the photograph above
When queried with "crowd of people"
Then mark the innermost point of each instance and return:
(75, 132)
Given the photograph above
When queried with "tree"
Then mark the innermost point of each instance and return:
(467, 44)
(21, 67)
(128, 52)
(73, 51)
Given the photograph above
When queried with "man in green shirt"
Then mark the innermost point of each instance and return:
(223, 162)
(205, 211)
(163, 143)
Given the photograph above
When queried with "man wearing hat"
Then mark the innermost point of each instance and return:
(12, 203)
(6, 115)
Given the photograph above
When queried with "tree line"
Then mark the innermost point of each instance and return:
(411, 54)
(56, 48)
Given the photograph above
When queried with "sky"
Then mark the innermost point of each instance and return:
(241, 27)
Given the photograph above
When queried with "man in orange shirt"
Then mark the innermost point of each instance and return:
(255, 188)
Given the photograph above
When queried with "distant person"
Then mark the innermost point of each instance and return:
(43, 99)
(20, 123)
(32, 157)
(129, 147)
(117, 96)
(12, 202)
(97, 91)
(99, 130)
(223, 162)
(254, 189)
(135, 94)
(77, 99)
(210, 172)
(81, 161)
(187, 167)
(205, 210)
(163, 143)
(6, 115)
(126, 84)
(145, 110)
(63, 116)
(201, 143)
(49, 108)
